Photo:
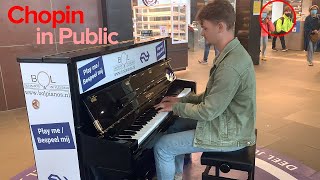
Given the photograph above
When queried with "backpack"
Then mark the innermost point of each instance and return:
(275, 25)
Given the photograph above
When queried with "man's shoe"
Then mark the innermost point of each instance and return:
(178, 176)
(264, 58)
(274, 49)
(310, 64)
(203, 62)
(284, 50)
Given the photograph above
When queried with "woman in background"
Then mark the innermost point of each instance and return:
(311, 27)
(267, 26)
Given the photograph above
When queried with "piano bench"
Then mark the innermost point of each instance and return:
(243, 160)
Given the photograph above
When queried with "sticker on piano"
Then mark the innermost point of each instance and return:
(91, 73)
(53, 136)
(170, 75)
(161, 50)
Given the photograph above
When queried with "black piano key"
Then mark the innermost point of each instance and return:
(140, 123)
(124, 136)
(130, 133)
(135, 127)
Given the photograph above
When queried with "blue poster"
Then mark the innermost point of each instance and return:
(296, 28)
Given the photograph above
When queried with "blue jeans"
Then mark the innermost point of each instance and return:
(170, 149)
(312, 47)
(264, 41)
(207, 50)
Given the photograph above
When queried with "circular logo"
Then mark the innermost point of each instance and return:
(35, 104)
(43, 79)
(262, 19)
(149, 2)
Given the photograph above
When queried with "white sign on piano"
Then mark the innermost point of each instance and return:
(48, 101)
(97, 71)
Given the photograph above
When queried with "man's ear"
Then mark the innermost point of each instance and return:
(222, 27)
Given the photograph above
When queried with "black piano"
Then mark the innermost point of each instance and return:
(113, 92)
(121, 124)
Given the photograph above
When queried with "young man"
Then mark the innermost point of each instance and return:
(283, 25)
(311, 27)
(223, 117)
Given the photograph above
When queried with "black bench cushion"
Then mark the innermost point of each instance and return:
(242, 159)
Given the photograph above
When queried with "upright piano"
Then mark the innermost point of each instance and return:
(113, 93)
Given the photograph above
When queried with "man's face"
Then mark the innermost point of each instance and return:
(287, 12)
(211, 31)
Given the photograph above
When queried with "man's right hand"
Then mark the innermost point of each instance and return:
(170, 99)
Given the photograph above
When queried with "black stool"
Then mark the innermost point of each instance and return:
(243, 160)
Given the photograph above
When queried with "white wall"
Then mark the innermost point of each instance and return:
(277, 10)
(305, 9)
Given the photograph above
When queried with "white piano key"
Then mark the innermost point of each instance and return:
(147, 129)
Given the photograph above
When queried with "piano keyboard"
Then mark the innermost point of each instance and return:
(148, 122)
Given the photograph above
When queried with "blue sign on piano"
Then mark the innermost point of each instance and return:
(91, 73)
(53, 136)
(161, 50)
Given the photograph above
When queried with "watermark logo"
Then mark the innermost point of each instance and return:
(150, 2)
(56, 177)
(57, 18)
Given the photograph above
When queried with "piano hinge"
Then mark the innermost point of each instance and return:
(98, 126)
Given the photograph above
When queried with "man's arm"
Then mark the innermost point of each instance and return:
(225, 86)
(192, 98)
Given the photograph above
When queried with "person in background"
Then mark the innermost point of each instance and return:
(311, 27)
(283, 25)
(266, 26)
(206, 53)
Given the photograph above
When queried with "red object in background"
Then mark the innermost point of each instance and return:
(294, 18)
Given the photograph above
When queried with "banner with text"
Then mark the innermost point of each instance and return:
(97, 71)
(48, 100)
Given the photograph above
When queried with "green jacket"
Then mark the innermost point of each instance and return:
(286, 26)
(226, 111)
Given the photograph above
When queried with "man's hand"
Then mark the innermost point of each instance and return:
(166, 104)
(164, 107)
(170, 99)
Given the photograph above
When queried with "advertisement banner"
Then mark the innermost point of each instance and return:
(48, 101)
(97, 71)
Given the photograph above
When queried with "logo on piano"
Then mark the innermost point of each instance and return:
(144, 57)
(35, 104)
(124, 66)
(93, 98)
(44, 84)
(149, 2)
(148, 96)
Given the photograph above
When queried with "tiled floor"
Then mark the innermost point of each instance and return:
(288, 117)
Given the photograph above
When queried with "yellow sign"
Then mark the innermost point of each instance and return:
(256, 7)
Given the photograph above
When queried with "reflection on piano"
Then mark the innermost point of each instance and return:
(126, 124)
